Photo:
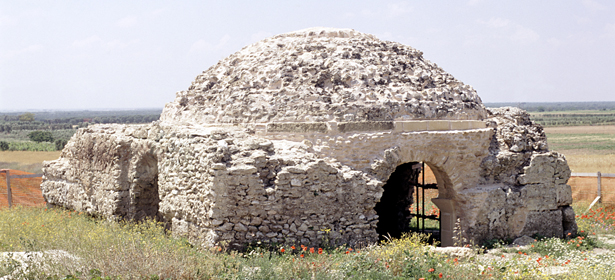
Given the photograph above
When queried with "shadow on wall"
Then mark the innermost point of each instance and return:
(396, 202)
(144, 199)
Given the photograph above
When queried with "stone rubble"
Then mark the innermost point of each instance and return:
(291, 140)
(320, 75)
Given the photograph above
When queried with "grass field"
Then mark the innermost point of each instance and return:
(574, 118)
(78, 246)
(587, 148)
(28, 161)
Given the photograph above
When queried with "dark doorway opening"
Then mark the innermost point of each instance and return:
(144, 190)
(405, 206)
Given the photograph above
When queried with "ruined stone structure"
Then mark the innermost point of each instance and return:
(291, 140)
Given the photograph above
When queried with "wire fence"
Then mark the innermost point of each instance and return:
(20, 188)
(589, 186)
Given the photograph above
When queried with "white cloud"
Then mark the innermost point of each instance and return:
(260, 36)
(593, 5)
(6, 20)
(524, 35)
(201, 45)
(609, 31)
(129, 21)
(117, 44)
(386, 35)
(495, 22)
(474, 2)
(157, 12)
(95, 41)
(554, 42)
(582, 20)
(87, 42)
(398, 9)
(367, 12)
(27, 50)
(348, 15)
(513, 31)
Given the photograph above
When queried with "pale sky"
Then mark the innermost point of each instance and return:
(136, 54)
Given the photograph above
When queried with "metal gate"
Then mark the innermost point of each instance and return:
(419, 205)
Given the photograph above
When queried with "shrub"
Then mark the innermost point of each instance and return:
(41, 136)
(26, 117)
(60, 143)
(4, 146)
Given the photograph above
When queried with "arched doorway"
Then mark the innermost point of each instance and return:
(406, 204)
(144, 198)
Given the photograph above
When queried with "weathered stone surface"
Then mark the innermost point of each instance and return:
(106, 170)
(545, 223)
(564, 195)
(324, 74)
(292, 139)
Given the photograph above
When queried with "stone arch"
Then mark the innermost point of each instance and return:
(393, 198)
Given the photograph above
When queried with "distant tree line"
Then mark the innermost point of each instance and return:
(556, 106)
(9, 123)
(46, 133)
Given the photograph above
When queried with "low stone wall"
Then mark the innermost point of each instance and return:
(225, 186)
(108, 170)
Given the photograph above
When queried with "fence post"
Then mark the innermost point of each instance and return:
(600, 186)
(9, 195)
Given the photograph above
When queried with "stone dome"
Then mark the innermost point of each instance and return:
(321, 75)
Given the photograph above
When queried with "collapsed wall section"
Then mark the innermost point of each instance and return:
(108, 170)
(522, 188)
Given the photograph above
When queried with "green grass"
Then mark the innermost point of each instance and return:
(574, 118)
(32, 146)
(103, 249)
(19, 140)
(22, 135)
(593, 141)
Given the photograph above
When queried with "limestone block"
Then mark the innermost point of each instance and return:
(546, 223)
(364, 126)
(517, 219)
(568, 221)
(564, 195)
(438, 125)
(477, 124)
(539, 196)
(462, 125)
(415, 126)
(540, 170)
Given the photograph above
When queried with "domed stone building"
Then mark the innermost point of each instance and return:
(320, 135)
